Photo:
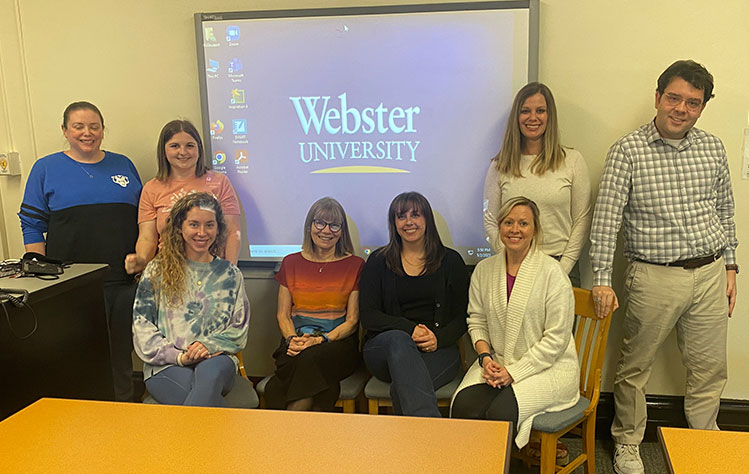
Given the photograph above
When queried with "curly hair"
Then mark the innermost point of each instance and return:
(170, 269)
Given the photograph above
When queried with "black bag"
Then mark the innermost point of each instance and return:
(34, 264)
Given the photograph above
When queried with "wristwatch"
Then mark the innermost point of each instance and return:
(481, 358)
(732, 266)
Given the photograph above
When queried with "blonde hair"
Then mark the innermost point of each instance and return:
(552, 153)
(511, 203)
(170, 272)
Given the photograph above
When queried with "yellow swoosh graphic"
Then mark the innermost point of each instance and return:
(359, 170)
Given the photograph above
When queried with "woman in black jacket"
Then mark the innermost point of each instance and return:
(413, 300)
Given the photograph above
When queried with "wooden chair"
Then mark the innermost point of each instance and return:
(378, 392)
(242, 394)
(591, 335)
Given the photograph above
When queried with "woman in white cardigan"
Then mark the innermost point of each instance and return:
(521, 312)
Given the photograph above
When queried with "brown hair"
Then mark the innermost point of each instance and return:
(171, 129)
(433, 248)
(552, 153)
(80, 105)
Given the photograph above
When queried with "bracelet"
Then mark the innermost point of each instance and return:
(289, 338)
(325, 337)
(481, 358)
(179, 359)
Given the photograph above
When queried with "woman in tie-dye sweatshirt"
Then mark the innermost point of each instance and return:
(191, 312)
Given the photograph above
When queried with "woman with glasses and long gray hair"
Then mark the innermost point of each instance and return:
(318, 314)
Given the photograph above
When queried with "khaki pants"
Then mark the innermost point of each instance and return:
(693, 300)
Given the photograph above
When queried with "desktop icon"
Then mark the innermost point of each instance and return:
(237, 96)
(217, 127)
(239, 126)
(241, 156)
(219, 157)
(235, 65)
(212, 66)
(209, 36)
(232, 33)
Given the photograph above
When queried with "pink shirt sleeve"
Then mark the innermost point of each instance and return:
(227, 196)
(147, 204)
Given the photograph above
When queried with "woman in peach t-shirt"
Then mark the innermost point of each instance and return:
(181, 171)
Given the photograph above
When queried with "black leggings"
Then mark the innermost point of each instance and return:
(484, 402)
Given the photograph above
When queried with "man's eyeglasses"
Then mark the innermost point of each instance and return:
(675, 99)
(320, 225)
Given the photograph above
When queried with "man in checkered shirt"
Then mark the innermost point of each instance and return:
(668, 184)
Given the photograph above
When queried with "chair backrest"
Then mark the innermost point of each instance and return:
(241, 364)
(591, 335)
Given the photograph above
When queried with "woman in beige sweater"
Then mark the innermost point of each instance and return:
(532, 163)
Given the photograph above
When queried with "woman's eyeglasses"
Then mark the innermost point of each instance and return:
(320, 225)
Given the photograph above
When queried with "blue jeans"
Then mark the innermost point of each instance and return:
(202, 384)
(414, 375)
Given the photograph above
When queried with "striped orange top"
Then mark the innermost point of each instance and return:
(319, 290)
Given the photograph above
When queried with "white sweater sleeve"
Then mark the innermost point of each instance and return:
(492, 203)
(580, 211)
(478, 328)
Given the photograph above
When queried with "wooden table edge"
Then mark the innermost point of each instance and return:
(508, 449)
(664, 449)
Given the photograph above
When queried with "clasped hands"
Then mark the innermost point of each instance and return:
(196, 352)
(299, 343)
(424, 338)
(495, 375)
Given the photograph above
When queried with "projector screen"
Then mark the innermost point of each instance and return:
(361, 104)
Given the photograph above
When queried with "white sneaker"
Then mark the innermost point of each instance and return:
(627, 459)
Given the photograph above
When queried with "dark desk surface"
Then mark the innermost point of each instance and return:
(82, 436)
(46, 288)
(57, 345)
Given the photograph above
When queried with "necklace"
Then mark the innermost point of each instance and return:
(417, 265)
(84, 170)
(321, 262)
(81, 166)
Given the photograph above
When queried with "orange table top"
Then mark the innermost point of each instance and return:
(700, 451)
(54, 435)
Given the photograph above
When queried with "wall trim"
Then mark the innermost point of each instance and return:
(668, 410)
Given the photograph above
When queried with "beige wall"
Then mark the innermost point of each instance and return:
(136, 61)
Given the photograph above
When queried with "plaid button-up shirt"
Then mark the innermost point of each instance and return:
(674, 203)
